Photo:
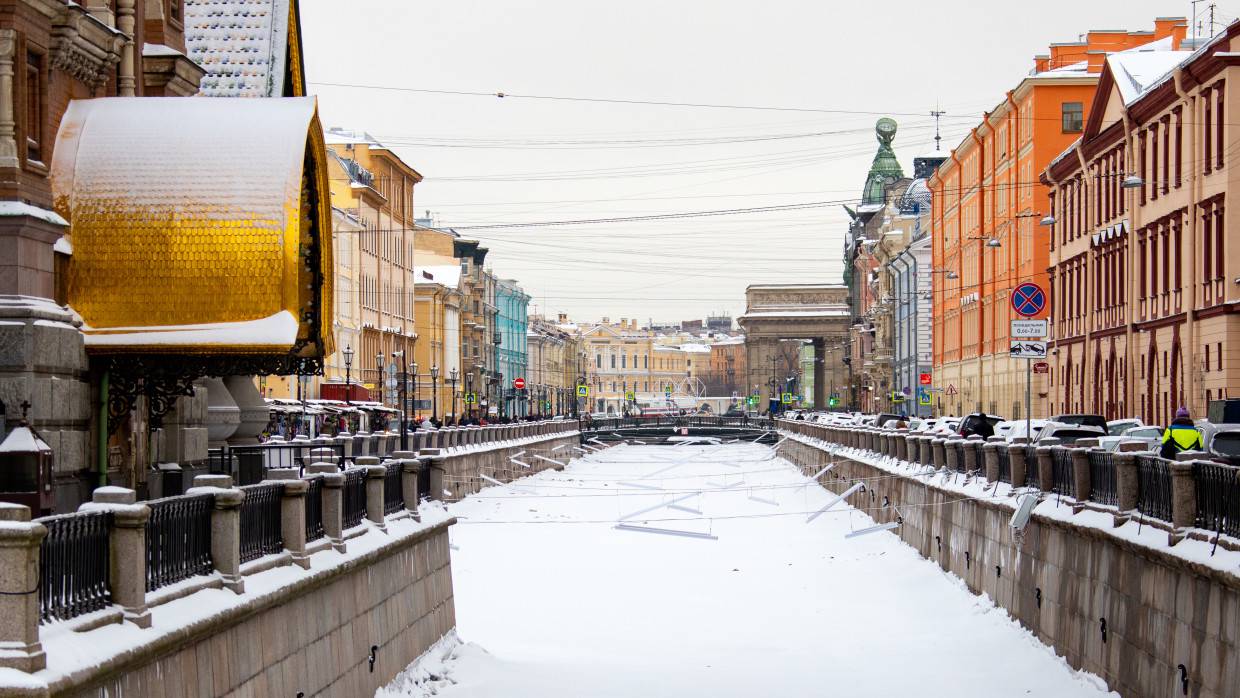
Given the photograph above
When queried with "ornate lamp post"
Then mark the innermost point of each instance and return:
(415, 389)
(453, 376)
(404, 399)
(435, 392)
(348, 374)
(379, 370)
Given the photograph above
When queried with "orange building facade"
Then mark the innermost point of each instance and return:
(987, 206)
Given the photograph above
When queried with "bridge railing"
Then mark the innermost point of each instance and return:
(1190, 492)
(672, 421)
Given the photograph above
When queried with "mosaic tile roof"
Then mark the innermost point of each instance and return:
(242, 44)
(189, 213)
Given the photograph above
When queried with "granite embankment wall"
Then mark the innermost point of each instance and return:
(1152, 621)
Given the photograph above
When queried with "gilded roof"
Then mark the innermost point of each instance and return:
(244, 45)
(190, 217)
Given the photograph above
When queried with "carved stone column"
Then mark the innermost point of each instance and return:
(125, 79)
(8, 126)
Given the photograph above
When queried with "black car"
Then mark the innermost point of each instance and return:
(980, 424)
(1093, 420)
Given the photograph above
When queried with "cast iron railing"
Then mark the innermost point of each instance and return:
(1218, 497)
(1005, 463)
(314, 509)
(354, 496)
(260, 521)
(393, 493)
(73, 565)
(1154, 487)
(1061, 471)
(178, 539)
(1031, 467)
(1103, 486)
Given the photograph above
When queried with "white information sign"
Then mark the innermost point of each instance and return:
(1028, 349)
(1029, 329)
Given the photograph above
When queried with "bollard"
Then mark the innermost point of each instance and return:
(20, 539)
(374, 495)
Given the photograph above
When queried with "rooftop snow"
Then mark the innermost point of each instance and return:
(277, 332)
(242, 44)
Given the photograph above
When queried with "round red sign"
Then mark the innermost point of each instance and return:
(518, 383)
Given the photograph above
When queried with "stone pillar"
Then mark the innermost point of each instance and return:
(820, 373)
(1016, 457)
(19, 571)
(902, 445)
(333, 508)
(968, 453)
(410, 467)
(126, 80)
(226, 537)
(1183, 500)
(1126, 486)
(126, 551)
(990, 453)
(374, 495)
(293, 515)
(952, 452)
(938, 447)
(1082, 482)
(1046, 464)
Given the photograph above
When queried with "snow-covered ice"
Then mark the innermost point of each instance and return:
(553, 600)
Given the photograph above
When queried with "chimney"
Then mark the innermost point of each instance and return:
(563, 318)
(606, 320)
(634, 321)
(1040, 63)
(624, 322)
(1174, 27)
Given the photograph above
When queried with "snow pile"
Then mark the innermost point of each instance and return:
(770, 604)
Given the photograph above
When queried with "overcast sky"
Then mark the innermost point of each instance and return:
(489, 161)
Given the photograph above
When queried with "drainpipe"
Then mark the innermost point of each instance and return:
(102, 447)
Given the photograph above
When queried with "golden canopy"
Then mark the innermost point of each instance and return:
(197, 226)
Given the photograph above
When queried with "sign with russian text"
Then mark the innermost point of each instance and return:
(1029, 329)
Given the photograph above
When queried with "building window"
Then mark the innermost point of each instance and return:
(598, 360)
(1073, 117)
(613, 365)
(34, 106)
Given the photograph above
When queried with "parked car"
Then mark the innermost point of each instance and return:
(946, 426)
(1004, 429)
(1222, 441)
(1017, 430)
(1116, 427)
(978, 423)
(1149, 434)
(887, 419)
(1069, 433)
(1093, 420)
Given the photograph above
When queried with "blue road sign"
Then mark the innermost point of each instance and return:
(1028, 299)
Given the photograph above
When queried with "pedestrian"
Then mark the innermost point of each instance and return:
(1181, 436)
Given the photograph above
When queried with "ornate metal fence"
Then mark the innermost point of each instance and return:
(393, 493)
(1031, 467)
(1218, 497)
(354, 497)
(1154, 487)
(1103, 487)
(178, 539)
(260, 521)
(1005, 463)
(1061, 460)
(314, 509)
(73, 565)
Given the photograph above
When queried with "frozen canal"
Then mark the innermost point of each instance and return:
(553, 600)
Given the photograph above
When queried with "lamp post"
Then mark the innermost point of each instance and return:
(469, 388)
(415, 389)
(379, 370)
(404, 398)
(348, 373)
(453, 376)
(435, 392)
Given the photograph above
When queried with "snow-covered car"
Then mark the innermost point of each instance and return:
(1117, 427)
(1222, 441)
(1004, 429)
(947, 426)
(1068, 433)
(1017, 431)
(1150, 435)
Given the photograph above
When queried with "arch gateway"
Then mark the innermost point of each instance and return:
(778, 319)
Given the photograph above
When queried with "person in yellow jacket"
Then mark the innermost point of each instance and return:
(1181, 435)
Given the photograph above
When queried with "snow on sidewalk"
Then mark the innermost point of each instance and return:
(553, 600)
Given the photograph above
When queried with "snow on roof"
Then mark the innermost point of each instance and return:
(63, 246)
(242, 44)
(276, 332)
(1137, 70)
(155, 50)
(819, 312)
(446, 275)
(21, 208)
(23, 440)
(1075, 70)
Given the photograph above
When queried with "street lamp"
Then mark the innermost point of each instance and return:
(453, 375)
(415, 390)
(404, 399)
(435, 392)
(379, 382)
(348, 373)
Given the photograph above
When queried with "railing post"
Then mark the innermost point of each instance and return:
(1017, 461)
(938, 448)
(126, 550)
(19, 572)
(990, 453)
(409, 468)
(225, 529)
(374, 495)
(293, 514)
(1082, 478)
(1183, 498)
(1127, 485)
(952, 453)
(333, 505)
(969, 459)
(1046, 463)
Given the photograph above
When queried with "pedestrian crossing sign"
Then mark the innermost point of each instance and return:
(628, 395)
(923, 396)
(583, 391)
(471, 398)
(786, 398)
